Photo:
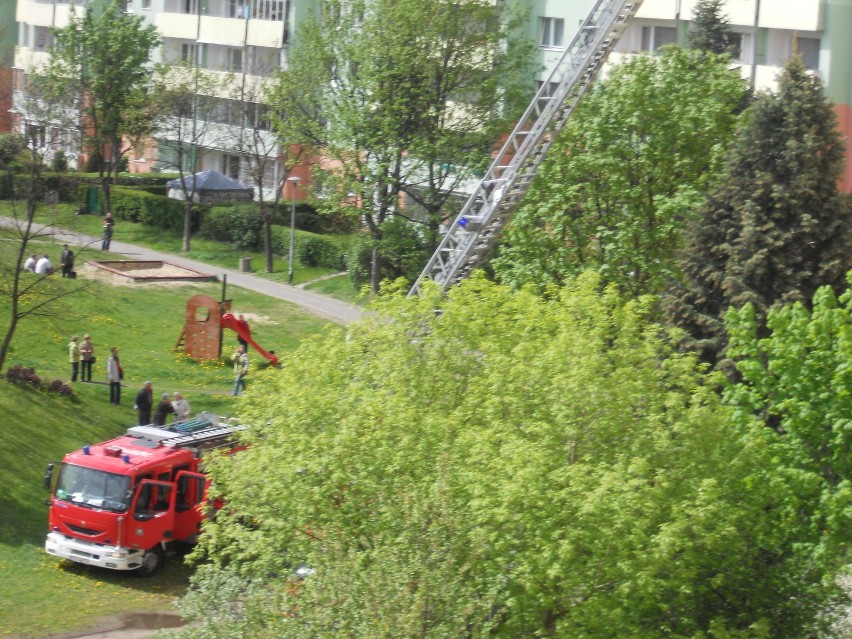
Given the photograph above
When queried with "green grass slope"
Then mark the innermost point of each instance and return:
(40, 595)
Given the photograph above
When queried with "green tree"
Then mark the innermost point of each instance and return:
(798, 382)
(626, 174)
(269, 163)
(710, 29)
(25, 294)
(183, 98)
(509, 466)
(99, 69)
(400, 96)
(776, 228)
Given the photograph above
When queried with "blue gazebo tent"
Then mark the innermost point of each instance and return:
(211, 187)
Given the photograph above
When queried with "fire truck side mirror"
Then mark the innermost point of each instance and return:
(48, 476)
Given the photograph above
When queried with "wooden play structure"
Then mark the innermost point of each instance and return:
(202, 330)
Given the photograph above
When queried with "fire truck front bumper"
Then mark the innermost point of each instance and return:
(85, 552)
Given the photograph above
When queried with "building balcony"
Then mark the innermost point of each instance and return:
(45, 13)
(774, 14)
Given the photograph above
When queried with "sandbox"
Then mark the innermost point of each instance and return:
(151, 271)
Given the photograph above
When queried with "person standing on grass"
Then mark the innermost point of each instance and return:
(114, 376)
(144, 402)
(241, 364)
(66, 260)
(109, 222)
(87, 358)
(74, 357)
(181, 407)
(164, 408)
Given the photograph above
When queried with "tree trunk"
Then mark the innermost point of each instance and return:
(375, 267)
(267, 241)
(187, 224)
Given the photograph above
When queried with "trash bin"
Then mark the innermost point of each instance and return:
(245, 265)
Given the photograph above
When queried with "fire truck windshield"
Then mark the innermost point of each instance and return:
(93, 488)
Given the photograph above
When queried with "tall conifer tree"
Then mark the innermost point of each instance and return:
(777, 227)
(710, 28)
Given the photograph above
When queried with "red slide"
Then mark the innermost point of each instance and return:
(241, 328)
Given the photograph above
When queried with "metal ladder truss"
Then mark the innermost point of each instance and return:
(203, 436)
(477, 227)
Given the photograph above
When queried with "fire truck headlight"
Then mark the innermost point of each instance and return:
(121, 554)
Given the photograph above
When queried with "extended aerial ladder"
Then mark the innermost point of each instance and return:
(477, 227)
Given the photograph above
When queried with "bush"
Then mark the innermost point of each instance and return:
(319, 251)
(241, 226)
(60, 162)
(24, 376)
(402, 251)
(246, 229)
(27, 377)
(216, 224)
(136, 205)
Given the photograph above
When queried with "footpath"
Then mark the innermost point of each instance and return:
(326, 307)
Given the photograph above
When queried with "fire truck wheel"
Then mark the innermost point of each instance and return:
(152, 561)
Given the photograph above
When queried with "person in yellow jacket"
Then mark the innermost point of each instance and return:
(74, 357)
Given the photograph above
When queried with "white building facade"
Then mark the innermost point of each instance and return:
(246, 40)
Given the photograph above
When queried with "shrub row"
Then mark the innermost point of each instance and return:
(241, 226)
(27, 377)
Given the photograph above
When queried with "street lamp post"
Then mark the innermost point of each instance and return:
(294, 182)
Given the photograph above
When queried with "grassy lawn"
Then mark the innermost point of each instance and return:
(40, 595)
(339, 287)
(208, 251)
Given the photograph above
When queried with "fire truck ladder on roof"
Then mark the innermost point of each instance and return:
(490, 207)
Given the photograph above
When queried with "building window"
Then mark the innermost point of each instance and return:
(146, 4)
(231, 166)
(236, 9)
(655, 37)
(188, 53)
(552, 31)
(808, 49)
(235, 60)
(268, 10)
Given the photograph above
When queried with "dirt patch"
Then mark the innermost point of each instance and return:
(132, 625)
(151, 273)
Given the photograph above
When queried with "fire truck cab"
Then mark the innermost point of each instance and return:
(120, 503)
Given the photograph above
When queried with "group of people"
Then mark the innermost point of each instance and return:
(179, 407)
(43, 266)
(38, 265)
(81, 356)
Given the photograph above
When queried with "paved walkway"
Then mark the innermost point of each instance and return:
(321, 305)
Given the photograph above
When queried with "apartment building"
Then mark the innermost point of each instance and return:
(251, 38)
(767, 32)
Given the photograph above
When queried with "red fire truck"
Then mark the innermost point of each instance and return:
(119, 504)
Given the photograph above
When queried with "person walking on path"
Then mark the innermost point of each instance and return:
(109, 222)
(74, 357)
(181, 407)
(114, 376)
(66, 260)
(163, 408)
(144, 402)
(241, 364)
(87, 358)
